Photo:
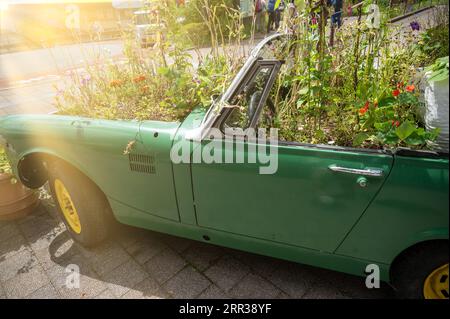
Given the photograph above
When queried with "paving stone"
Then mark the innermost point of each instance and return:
(212, 292)
(9, 230)
(90, 285)
(227, 272)
(127, 235)
(324, 291)
(144, 249)
(254, 287)
(147, 289)
(187, 284)
(45, 238)
(26, 283)
(283, 295)
(201, 255)
(178, 244)
(293, 279)
(165, 265)
(12, 246)
(121, 279)
(2, 292)
(261, 265)
(106, 294)
(352, 286)
(59, 272)
(60, 249)
(106, 257)
(17, 264)
(46, 292)
(39, 228)
(40, 212)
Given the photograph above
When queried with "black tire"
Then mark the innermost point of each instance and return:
(92, 207)
(411, 270)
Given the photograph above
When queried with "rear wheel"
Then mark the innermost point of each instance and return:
(423, 272)
(81, 205)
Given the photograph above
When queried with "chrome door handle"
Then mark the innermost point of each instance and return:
(375, 172)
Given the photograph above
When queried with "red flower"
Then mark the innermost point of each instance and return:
(410, 88)
(396, 123)
(396, 92)
(364, 109)
(139, 78)
(400, 85)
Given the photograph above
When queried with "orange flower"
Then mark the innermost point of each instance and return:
(410, 88)
(115, 83)
(139, 78)
(396, 92)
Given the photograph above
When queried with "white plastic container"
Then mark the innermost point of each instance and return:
(436, 113)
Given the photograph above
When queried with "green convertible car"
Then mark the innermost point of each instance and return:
(333, 207)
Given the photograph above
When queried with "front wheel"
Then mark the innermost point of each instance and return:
(81, 205)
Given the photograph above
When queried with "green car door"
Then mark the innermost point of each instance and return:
(312, 200)
(304, 203)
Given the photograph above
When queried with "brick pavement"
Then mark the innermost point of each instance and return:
(136, 263)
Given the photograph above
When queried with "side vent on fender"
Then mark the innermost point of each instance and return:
(142, 163)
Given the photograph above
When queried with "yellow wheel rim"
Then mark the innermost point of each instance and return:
(67, 206)
(436, 284)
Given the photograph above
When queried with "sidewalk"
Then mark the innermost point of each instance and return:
(35, 251)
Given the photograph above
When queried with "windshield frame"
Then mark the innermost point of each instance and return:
(216, 108)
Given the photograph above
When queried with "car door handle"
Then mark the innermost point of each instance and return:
(375, 172)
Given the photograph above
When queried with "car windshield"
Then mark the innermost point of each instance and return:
(271, 49)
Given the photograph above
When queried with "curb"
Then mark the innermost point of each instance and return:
(393, 20)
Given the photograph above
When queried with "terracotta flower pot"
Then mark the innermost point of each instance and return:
(15, 199)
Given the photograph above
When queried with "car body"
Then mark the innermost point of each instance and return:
(333, 207)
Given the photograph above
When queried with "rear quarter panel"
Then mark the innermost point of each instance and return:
(411, 207)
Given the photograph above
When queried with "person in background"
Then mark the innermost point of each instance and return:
(259, 14)
(336, 18)
(278, 11)
(272, 6)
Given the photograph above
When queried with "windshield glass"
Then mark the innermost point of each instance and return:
(273, 49)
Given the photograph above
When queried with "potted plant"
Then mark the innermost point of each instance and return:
(16, 200)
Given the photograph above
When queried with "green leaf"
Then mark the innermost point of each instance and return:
(384, 126)
(405, 130)
(387, 101)
(438, 76)
(415, 139)
(360, 138)
(391, 139)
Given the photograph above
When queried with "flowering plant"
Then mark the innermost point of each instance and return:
(393, 121)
